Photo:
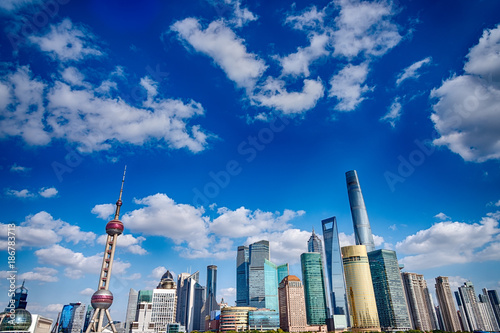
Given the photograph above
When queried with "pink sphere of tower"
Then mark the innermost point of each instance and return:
(114, 227)
(102, 299)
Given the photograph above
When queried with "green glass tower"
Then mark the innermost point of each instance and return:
(389, 292)
(314, 288)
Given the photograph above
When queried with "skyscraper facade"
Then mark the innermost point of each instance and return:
(487, 312)
(199, 302)
(72, 318)
(283, 271)
(314, 288)
(335, 274)
(362, 229)
(417, 297)
(186, 285)
(211, 298)
(446, 305)
(133, 296)
(292, 305)
(271, 286)
(471, 312)
(389, 292)
(259, 253)
(242, 272)
(495, 303)
(314, 243)
(360, 292)
(19, 298)
(164, 303)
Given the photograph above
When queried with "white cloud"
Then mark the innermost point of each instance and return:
(227, 50)
(393, 227)
(309, 19)
(364, 27)
(15, 5)
(87, 292)
(442, 216)
(158, 272)
(19, 168)
(392, 116)
(243, 222)
(74, 77)
(347, 86)
(161, 216)
(497, 203)
(19, 193)
(128, 242)
(42, 229)
(410, 72)
(104, 211)
(93, 121)
(48, 192)
(298, 63)
(285, 246)
(466, 109)
(66, 42)
(346, 240)
(273, 94)
(76, 264)
(44, 274)
(241, 16)
(449, 242)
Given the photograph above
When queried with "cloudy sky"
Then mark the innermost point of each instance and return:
(237, 121)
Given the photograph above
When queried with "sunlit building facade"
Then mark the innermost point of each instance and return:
(417, 297)
(292, 305)
(446, 305)
(389, 292)
(314, 288)
(234, 318)
(361, 297)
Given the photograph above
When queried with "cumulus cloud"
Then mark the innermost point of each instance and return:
(465, 110)
(44, 274)
(104, 211)
(128, 242)
(15, 5)
(298, 63)
(94, 121)
(392, 116)
(273, 94)
(87, 292)
(411, 72)
(76, 264)
(19, 168)
(66, 42)
(24, 193)
(158, 272)
(48, 192)
(364, 27)
(348, 86)
(312, 18)
(442, 216)
(227, 50)
(42, 229)
(449, 242)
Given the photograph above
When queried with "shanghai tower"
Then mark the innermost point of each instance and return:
(362, 229)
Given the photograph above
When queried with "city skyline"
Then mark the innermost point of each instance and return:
(237, 121)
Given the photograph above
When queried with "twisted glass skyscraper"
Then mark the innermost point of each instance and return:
(362, 229)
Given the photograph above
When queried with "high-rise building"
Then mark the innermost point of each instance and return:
(495, 303)
(164, 303)
(335, 274)
(314, 288)
(242, 272)
(362, 229)
(389, 292)
(259, 253)
(418, 299)
(271, 286)
(314, 243)
(199, 302)
(186, 286)
(103, 298)
(464, 325)
(133, 296)
(19, 299)
(72, 318)
(292, 305)
(283, 271)
(446, 305)
(363, 307)
(143, 322)
(487, 312)
(471, 310)
(211, 299)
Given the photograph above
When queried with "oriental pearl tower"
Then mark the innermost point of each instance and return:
(103, 298)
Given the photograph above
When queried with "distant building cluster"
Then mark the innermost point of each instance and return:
(355, 288)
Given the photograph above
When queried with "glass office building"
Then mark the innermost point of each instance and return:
(283, 271)
(360, 292)
(335, 274)
(259, 253)
(263, 320)
(362, 229)
(389, 292)
(242, 269)
(271, 286)
(314, 288)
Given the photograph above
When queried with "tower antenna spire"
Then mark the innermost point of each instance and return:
(119, 202)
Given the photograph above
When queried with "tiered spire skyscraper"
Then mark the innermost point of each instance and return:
(103, 298)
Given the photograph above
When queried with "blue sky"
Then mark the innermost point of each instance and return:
(237, 122)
